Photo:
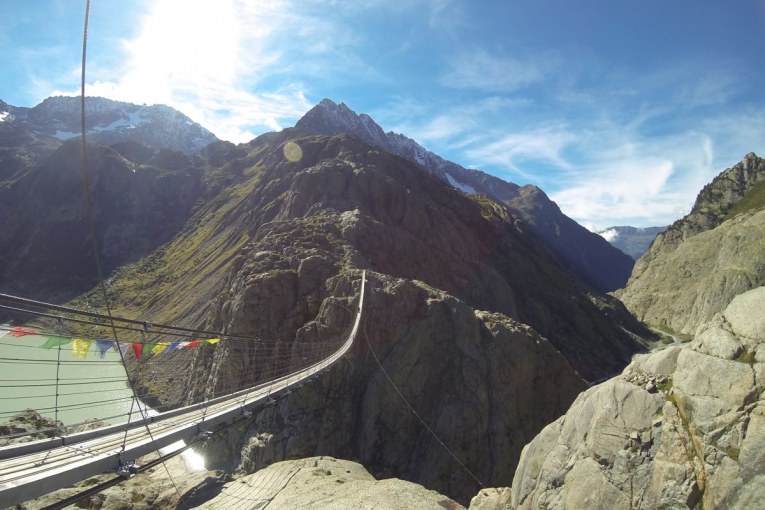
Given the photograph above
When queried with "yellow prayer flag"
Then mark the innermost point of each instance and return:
(81, 347)
(160, 347)
(213, 340)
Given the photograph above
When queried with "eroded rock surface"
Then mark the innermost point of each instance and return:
(327, 484)
(680, 428)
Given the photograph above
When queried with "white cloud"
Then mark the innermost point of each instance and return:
(609, 235)
(207, 59)
(630, 188)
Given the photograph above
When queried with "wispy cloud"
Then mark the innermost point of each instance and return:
(511, 151)
(479, 69)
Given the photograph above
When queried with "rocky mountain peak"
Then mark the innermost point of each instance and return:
(717, 197)
(330, 118)
(575, 247)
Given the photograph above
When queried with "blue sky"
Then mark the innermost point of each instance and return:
(620, 111)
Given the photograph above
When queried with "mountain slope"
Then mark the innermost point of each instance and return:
(587, 255)
(45, 249)
(20, 148)
(703, 260)
(470, 316)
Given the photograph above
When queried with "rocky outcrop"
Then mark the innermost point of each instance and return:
(711, 208)
(481, 381)
(684, 287)
(683, 427)
(584, 253)
(325, 483)
(171, 485)
(27, 426)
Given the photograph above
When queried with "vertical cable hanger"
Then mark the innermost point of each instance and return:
(58, 370)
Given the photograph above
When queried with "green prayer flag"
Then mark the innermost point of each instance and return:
(55, 341)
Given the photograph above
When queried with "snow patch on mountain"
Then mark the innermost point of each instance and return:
(65, 135)
(109, 122)
(4, 115)
(462, 187)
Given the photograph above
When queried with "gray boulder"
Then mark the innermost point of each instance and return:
(679, 428)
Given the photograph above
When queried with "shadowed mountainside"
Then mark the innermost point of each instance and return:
(45, 248)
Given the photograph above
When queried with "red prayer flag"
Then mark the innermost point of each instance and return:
(137, 349)
(193, 343)
(19, 332)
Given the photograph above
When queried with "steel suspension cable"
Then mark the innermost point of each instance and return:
(91, 225)
(417, 415)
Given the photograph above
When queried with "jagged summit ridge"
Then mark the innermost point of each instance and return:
(330, 118)
(587, 255)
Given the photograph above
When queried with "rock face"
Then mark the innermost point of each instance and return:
(325, 483)
(633, 241)
(683, 427)
(586, 254)
(702, 261)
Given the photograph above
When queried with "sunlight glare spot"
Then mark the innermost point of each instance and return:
(194, 461)
(293, 152)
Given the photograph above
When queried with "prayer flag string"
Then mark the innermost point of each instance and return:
(82, 346)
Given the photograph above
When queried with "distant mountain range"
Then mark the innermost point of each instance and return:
(108, 122)
(633, 241)
(28, 134)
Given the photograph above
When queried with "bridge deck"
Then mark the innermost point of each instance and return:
(30, 470)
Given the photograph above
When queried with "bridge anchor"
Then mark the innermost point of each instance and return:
(127, 470)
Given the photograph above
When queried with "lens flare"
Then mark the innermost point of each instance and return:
(293, 152)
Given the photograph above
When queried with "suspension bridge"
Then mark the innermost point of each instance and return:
(68, 454)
